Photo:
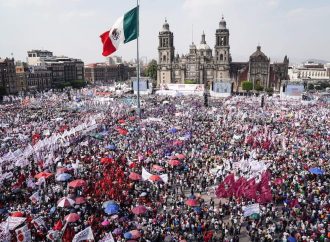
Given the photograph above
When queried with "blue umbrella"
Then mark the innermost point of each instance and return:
(316, 171)
(197, 209)
(128, 235)
(172, 130)
(111, 147)
(292, 239)
(105, 204)
(111, 209)
(63, 177)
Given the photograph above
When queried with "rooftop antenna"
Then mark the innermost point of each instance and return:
(192, 33)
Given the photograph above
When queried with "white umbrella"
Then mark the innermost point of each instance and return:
(65, 202)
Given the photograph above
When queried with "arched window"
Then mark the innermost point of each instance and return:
(221, 57)
(164, 58)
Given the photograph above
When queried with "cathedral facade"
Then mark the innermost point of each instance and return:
(203, 65)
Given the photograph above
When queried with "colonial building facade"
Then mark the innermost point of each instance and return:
(202, 64)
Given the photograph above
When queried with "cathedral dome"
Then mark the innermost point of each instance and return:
(166, 26)
(222, 23)
(192, 46)
(203, 47)
(258, 53)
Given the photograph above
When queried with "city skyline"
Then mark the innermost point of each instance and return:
(72, 27)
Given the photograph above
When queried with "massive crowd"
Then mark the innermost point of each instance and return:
(180, 173)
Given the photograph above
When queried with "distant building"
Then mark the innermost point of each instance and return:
(201, 66)
(114, 60)
(37, 57)
(39, 78)
(102, 73)
(63, 69)
(8, 82)
(21, 76)
(310, 72)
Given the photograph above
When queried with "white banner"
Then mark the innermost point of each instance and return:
(13, 222)
(251, 209)
(86, 234)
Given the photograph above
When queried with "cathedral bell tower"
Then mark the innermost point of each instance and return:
(165, 55)
(222, 56)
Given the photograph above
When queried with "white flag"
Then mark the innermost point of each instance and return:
(107, 238)
(23, 234)
(86, 234)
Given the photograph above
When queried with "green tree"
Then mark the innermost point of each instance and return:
(259, 88)
(151, 70)
(190, 82)
(78, 84)
(247, 86)
(311, 86)
(269, 90)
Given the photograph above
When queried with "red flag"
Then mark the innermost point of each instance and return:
(229, 180)
(58, 225)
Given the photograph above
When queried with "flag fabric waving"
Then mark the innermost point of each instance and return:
(86, 234)
(124, 30)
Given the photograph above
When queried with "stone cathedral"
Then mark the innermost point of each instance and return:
(202, 64)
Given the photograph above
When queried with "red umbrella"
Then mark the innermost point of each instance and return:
(72, 217)
(65, 202)
(122, 131)
(134, 176)
(17, 214)
(121, 121)
(157, 168)
(106, 160)
(173, 157)
(43, 174)
(155, 178)
(181, 156)
(80, 200)
(139, 210)
(174, 162)
(192, 203)
(77, 183)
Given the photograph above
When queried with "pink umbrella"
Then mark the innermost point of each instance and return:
(139, 210)
(181, 156)
(134, 176)
(135, 234)
(157, 168)
(80, 200)
(72, 217)
(174, 162)
(105, 223)
(77, 183)
(65, 202)
(192, 203)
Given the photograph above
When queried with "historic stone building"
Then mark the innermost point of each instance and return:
(202, 64)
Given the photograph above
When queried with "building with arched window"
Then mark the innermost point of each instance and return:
(203, 65)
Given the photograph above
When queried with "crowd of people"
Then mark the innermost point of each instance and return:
(178, 173)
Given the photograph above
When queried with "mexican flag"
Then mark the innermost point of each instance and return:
(125, 29)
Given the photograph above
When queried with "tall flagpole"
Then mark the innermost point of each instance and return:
(138, 61)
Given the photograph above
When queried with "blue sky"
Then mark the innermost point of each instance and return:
(298, 28)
